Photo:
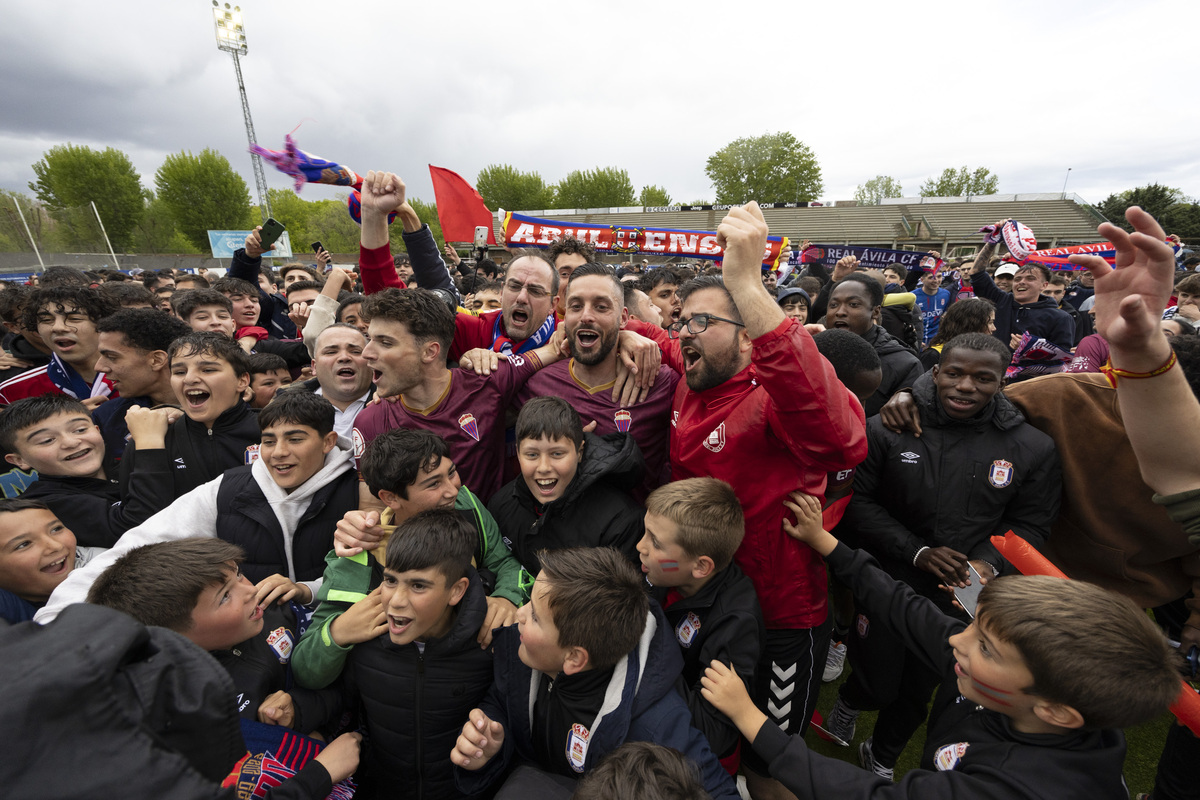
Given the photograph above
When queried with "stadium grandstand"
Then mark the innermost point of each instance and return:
(947, 224)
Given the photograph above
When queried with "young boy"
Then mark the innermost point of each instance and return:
(573, 490)
(244, 298)
(410, 471)
(37, 552)
(54, 436)
(205, 310)
(65, 319)
(195, 588)
(210, 376)
(268, 374)
(591, 666)
(281, 509)
(417, 682)
(693, 528)
(1028, 707)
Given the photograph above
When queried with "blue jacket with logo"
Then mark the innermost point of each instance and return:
(957, 485)
(641, 706)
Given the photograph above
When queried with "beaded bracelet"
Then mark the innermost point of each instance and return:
(1112, 373)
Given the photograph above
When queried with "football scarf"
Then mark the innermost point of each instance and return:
(72, 384)
(502, 344)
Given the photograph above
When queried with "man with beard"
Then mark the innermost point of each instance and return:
(595, 315)
(342, 375)
(764, 411)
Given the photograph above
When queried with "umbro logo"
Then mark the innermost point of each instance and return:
(179, 464)
(909, 457)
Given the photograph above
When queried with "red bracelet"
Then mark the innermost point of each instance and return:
(1112, 373)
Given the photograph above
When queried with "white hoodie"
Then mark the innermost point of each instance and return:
(195, 514)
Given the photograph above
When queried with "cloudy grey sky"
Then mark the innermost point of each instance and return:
(1027, 89)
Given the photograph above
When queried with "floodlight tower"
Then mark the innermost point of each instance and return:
(231, 37)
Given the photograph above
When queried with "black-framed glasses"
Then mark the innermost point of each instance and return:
(697, 324)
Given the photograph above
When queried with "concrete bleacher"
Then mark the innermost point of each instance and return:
(945, 224)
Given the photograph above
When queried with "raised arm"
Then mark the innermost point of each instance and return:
(382, 193)
(1162, 416)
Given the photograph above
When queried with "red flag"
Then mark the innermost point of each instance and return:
(459, 207)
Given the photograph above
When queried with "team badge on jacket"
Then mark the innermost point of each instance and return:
(280, 640)
(715, 441)
(623, 419)
(251, 454)
(577, 744)
(687, 629)
(947, 757)
(467, 423)
(863, 625)
(1001, 473)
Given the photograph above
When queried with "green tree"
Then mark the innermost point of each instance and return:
(654, 196)
(876, 189)
(13, 238)
(1153, 198)
(69, 177)
(330, 223)
(772, 168)
(504, 186)
(296, 214)
(202, 193)
(960, 183)
(156, 232)
(603, 187)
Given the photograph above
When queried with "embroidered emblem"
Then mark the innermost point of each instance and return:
(909, 457)
(687, 629)
(467, 423)
(947, 757)
(577, 745)
(623, 419)
(251, 454)
(280, 640)
(862, 624)
(1001, 473)
(716, 440)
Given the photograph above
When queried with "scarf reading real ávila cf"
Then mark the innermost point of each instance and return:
(627, 240)
(502, 344)
(869, 257)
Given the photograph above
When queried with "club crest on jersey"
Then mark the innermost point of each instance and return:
(862, 624)
(577, 745)
(947, 757)
(687, 629)
(715, 441)
(1001, 473)
(251, 454)
(280, 641)
(467, 423)
(623, 419)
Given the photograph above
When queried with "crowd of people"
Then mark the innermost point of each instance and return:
(553, 527)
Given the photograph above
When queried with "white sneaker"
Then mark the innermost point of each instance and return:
(867, 759)
(841, 721)
(835, 662)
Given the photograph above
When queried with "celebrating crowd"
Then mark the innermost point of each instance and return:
(553, 528)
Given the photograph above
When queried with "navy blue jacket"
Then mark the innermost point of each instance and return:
(649, 710)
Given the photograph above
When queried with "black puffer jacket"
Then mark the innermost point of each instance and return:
(957, 485)
(900, 367)
(597, 509)
(245, 518)
(415, 704)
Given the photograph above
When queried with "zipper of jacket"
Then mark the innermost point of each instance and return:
(420, 738)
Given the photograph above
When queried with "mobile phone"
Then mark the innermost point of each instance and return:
(317, 247)
(271, 230)
(481, 234)
(968, 597)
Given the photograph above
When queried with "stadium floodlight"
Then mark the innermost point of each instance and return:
(231, 38)
(231, 34)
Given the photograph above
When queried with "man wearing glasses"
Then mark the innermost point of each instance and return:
(764, 411)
